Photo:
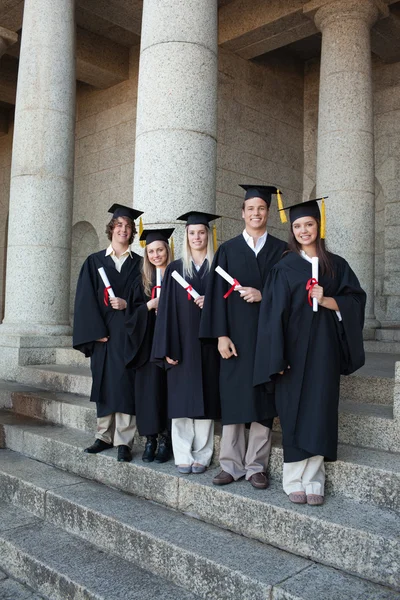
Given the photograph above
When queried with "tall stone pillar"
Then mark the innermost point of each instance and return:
(39, 233)
(345, 157)
(175, 154)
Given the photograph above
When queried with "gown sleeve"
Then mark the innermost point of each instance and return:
(138, 327)
(270, 357)
(166, 340)
(214, 319)
(89, 324)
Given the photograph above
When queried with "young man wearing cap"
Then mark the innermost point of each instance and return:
(232, 317)
(99, 332)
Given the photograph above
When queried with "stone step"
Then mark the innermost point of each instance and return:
(71, 357)
(14, 590)
(388, 335)
(369, 425)
(57, 378)
(386, 347)
(60, 565)
(209, 561)
(352, 536)
(374, 382)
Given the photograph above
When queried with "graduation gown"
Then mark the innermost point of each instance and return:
(150, 380)
(237, 319)
(317, 347)
(193, 389)
(113, 384)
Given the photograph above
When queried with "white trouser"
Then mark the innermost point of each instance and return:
(192, 441)
(235, 459)
(118, 429)
(305, 476)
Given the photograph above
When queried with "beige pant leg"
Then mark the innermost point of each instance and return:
(203, 443)
(105, 429)
(233, 449)
(293, 476)
(314, 476)
(125, 429)
(182, 434)
(258, 449)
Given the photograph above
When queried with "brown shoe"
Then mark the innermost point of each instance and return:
(259, 481)
(223, 478)
(315, 500)
(298, 497)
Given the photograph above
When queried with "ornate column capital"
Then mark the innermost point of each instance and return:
(325, 12)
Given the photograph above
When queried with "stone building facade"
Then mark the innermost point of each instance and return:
(169, 105)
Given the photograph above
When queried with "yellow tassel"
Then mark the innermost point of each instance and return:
(172, 246)
(142, 242)
(323, 220)
(280, 207)
(214, 234)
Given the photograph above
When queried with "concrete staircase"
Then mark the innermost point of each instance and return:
(75, 525)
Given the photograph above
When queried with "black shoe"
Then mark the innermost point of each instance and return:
(98, 446)
(164, 452)
(150, 448)
(124, 454)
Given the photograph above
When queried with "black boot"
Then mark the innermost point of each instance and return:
(150, 448)
(164, 452)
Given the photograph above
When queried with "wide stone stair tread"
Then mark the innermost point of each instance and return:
(61, 565)
(370, 410)
(209, 561)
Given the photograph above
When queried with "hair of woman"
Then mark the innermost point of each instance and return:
(187, 255)
(325, 263)
(148, 270)
(111, 225)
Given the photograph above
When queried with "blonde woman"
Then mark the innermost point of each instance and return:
(192, 366)
(140, 320)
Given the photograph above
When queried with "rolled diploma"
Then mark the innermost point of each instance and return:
(158, 281)
(314, 274)
(227, 278)
(184, 284)
(106, 282)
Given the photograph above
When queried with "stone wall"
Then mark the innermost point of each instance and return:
(5, 171)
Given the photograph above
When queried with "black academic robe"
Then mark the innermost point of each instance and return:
(150, 380)
(113, 384)
(238, 319)
(193, 383)
(317, 347)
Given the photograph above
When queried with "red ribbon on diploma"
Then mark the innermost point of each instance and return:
(153, 291)
(229, 292)
(189, 288)
(106, 294)
(309, 287)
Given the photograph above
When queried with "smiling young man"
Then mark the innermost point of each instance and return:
(99, 332)
(232, 317)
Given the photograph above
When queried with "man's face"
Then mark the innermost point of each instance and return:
(122, 232)
(255, 213)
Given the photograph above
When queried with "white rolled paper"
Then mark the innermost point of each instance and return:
(228, 278)
(314, 275)
(158, 281)
(184, 284)
(106, 282)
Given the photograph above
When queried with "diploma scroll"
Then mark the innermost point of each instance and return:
(158, 281)
(108, 291)
(186, 286)
(314, 274)
(233, 282)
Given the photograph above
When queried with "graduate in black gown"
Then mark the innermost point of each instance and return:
(193, 366)
(232, 318)
(99, 332)
(306, 351)
(140, 320)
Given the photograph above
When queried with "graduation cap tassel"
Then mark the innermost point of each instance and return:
(214, 234)
(280, 207)
(323, 220)
(172, 246)
(142, 242)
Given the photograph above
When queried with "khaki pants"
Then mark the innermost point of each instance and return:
(305, 476)
(235, 459)
(192, 441)
(118, 429)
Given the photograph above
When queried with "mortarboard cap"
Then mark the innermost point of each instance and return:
(119, 210)
(197, 218)
(259, 191)
(154, 235)
(310, 208)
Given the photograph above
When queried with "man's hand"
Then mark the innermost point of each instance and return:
(226, 347)
(118, 303)
(249, 294)
(153, 304)
(104, 339)
(199, 301)
(170, 361)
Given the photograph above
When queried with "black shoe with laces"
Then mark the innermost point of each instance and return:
(98, 446)
(164, 452)
(150, 448)
(124, 454)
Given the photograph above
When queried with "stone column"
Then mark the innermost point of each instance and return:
(39, 234)
(345, 158)
(175, 155)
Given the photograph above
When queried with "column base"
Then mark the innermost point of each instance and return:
(370, 327)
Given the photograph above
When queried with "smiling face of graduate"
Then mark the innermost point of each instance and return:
(122, 232)
(197, 237)
(157, 254)
(255, 214)
(305, 230)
